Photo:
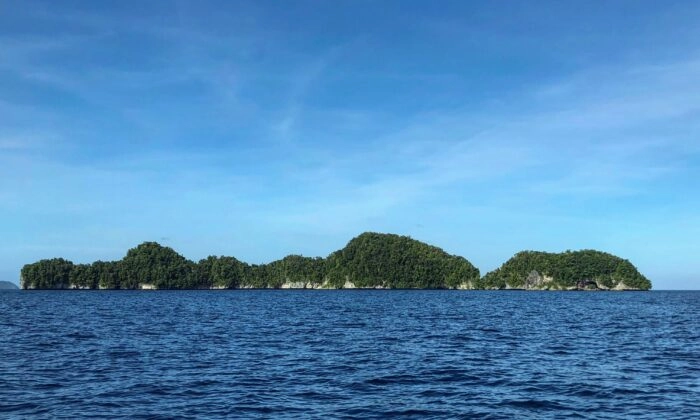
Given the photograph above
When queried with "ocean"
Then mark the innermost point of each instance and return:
(349, 354)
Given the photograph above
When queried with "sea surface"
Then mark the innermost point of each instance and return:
(349, 354)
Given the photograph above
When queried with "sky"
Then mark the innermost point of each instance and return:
(260, 129)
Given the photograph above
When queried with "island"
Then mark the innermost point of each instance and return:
(570, 270)
(7, 285)
(369, 261)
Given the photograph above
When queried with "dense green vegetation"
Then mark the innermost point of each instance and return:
(47, 274)
(393, 261)
(585, 269)
(371, 260)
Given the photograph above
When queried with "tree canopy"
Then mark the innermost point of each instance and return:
(584, 269)
(393, 261)
(370, 260)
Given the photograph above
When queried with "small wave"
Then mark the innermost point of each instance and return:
(80, 335)
(414, 412)
(393, 380)
(18, 408)
(350, 355)
(537, 404)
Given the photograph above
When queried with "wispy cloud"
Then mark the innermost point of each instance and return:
(303, 81)
(16, 144)
(155, 126)
(609, 143)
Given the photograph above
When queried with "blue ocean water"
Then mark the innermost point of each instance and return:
(349, 354)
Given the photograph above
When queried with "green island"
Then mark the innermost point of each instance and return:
(369, 261)
(570, 270)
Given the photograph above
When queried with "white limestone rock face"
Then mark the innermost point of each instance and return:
(293, 285)
(622, 286)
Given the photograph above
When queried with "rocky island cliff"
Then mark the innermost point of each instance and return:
(370, 260)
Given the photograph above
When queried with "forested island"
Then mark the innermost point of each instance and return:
(370, 260)
(570, 270)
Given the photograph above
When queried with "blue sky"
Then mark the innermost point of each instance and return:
(259, 129)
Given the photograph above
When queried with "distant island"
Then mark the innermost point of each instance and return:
(6, 285)
(570, 270)
(370, 261)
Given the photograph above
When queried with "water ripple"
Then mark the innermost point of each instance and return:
(349, 354)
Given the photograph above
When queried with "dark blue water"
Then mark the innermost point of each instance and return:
(350, 354)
